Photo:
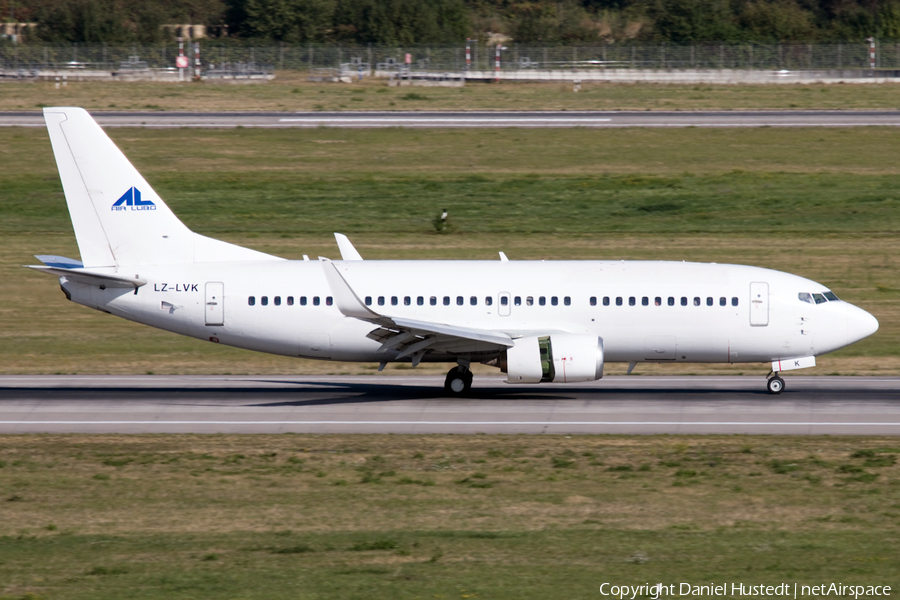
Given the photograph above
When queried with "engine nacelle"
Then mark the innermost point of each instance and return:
(559, 357)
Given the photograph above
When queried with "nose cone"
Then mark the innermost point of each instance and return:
(860, 324)
(843, 324)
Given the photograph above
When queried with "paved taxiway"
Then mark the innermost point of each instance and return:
(797, 118)
(415, 404)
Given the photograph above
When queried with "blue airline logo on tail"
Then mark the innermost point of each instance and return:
(131, 200)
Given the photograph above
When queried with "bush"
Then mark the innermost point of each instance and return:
(298, 549)
(383, 544)
(782, 466)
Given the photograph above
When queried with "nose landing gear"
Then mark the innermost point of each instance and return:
(775, 384)
(458, 381)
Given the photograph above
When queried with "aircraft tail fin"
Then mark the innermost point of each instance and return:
(118, 218)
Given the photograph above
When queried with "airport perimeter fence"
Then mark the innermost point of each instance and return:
(453, 59)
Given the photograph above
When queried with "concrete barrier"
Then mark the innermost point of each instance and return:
(691, 76)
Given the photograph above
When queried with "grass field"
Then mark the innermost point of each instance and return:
(290, 91)
(517, 517)
(822, 203)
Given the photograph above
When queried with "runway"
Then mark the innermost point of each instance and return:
(416, 405)
(539, 119)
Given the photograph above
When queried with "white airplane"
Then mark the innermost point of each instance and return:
(537, 321)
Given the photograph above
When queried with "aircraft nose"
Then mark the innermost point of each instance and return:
(861, 324)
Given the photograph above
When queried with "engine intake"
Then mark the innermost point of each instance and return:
(558, 358)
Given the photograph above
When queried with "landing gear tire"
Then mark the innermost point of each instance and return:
(458, 382)
(775, 385)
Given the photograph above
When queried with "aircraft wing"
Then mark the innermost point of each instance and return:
(409, 336)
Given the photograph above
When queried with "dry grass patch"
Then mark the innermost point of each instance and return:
(224, 516)
(291, 91)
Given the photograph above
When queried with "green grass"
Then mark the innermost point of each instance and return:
(822, 203)
(290, 91)
(250, 517)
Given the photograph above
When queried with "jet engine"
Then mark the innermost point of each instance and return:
(559, 357)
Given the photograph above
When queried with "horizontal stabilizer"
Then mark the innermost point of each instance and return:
(59, 261)
(89, 277)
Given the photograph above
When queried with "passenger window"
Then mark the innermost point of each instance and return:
(504, 300)
(446, 300)
(723, 301)
(329, 301)
(831, 297)
(657, 301)
(290, 300)
(394, 301)
(819, 298)
(407, 300)
(619, 301)
(554, 300)
(529, 300)
(433, 300)
(302, 300)
(277, 300)
(593, 301)
(645, 301)
(805, 297)
(488, 300)
(368, 300)
(696, 301)
(380, 300)
(542, 301)
(671, 301)
(473, 300)
(709, 301)
(420, 301)
(264, 300)
(251, 300)
(683, 301)
(631, 301)
(734, 301)
(567, 301)
(605, 300)
(517, 300)
(460, 301)
(315, 300)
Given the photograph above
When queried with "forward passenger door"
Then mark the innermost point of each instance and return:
(759, 304)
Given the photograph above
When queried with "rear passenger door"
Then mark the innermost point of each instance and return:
(215, 303)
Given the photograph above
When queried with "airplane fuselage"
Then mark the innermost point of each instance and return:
(643, 311)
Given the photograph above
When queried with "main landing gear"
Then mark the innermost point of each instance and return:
(775, 384)
(459, 381)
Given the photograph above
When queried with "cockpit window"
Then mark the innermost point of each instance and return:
(819, 298)
(831, 296)
(805, 297)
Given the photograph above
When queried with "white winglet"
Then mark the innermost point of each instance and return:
(348, 252)
(344, 297)
(503, 257)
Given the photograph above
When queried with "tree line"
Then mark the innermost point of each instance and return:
(450, 22)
